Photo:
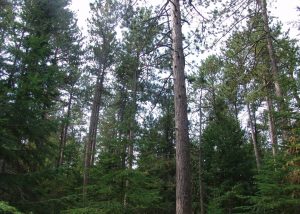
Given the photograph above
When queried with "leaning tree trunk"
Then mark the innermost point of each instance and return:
(94, 121)
(183, 179)
(91, 142)
(275, 73)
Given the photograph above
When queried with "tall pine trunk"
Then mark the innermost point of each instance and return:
(253, 136)
(64, 131)
(91, 142)
(252, 122)
(183, 178)
(131, 132)
(272, 130)
(274, 68)
(201, 195)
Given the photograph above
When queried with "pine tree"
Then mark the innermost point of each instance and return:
(103, 23)
(37, 61)
(183, 179)
(226, 163)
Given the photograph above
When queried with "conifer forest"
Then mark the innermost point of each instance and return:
(173, 107)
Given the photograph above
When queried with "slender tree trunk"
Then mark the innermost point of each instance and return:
(91, 142)
(201, 195)
(275, 72)
(132, 124)
(183, 179)
(253, 136)
(272, 129)
(252, 122)
(130, 164)
(64, 131)
(94, 124)
(236, 110)
(124, 146)
(2, 166)
(272, 57)
(121, 113)
(134, 109)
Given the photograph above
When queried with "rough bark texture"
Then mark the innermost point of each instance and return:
(183, 180)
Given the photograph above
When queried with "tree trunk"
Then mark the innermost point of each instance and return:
(272, 129)
(253, 136)
(64, 131)
(120, 136)
(91, 142)
(275, 73)
(2, 166)
(183, 179)
(201, 195)
(95, 115)
(134, 109)
(132, 124)
(294, 89)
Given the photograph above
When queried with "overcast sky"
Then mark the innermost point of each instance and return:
(285, 10)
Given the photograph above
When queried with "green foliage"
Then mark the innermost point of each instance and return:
(45, 91)
(227, 164)
(42, 51)
(277, 193)
(6, 208)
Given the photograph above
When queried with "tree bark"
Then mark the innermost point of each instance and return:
(183, 179)
(95, 115)
(64, 131)
(91, 142)
(135, 80)
(201, 195)
(272, 129)
(131, 132)
(253, 136)
(294, 89)
(274, 67)
(2, 166)
(121, 113)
